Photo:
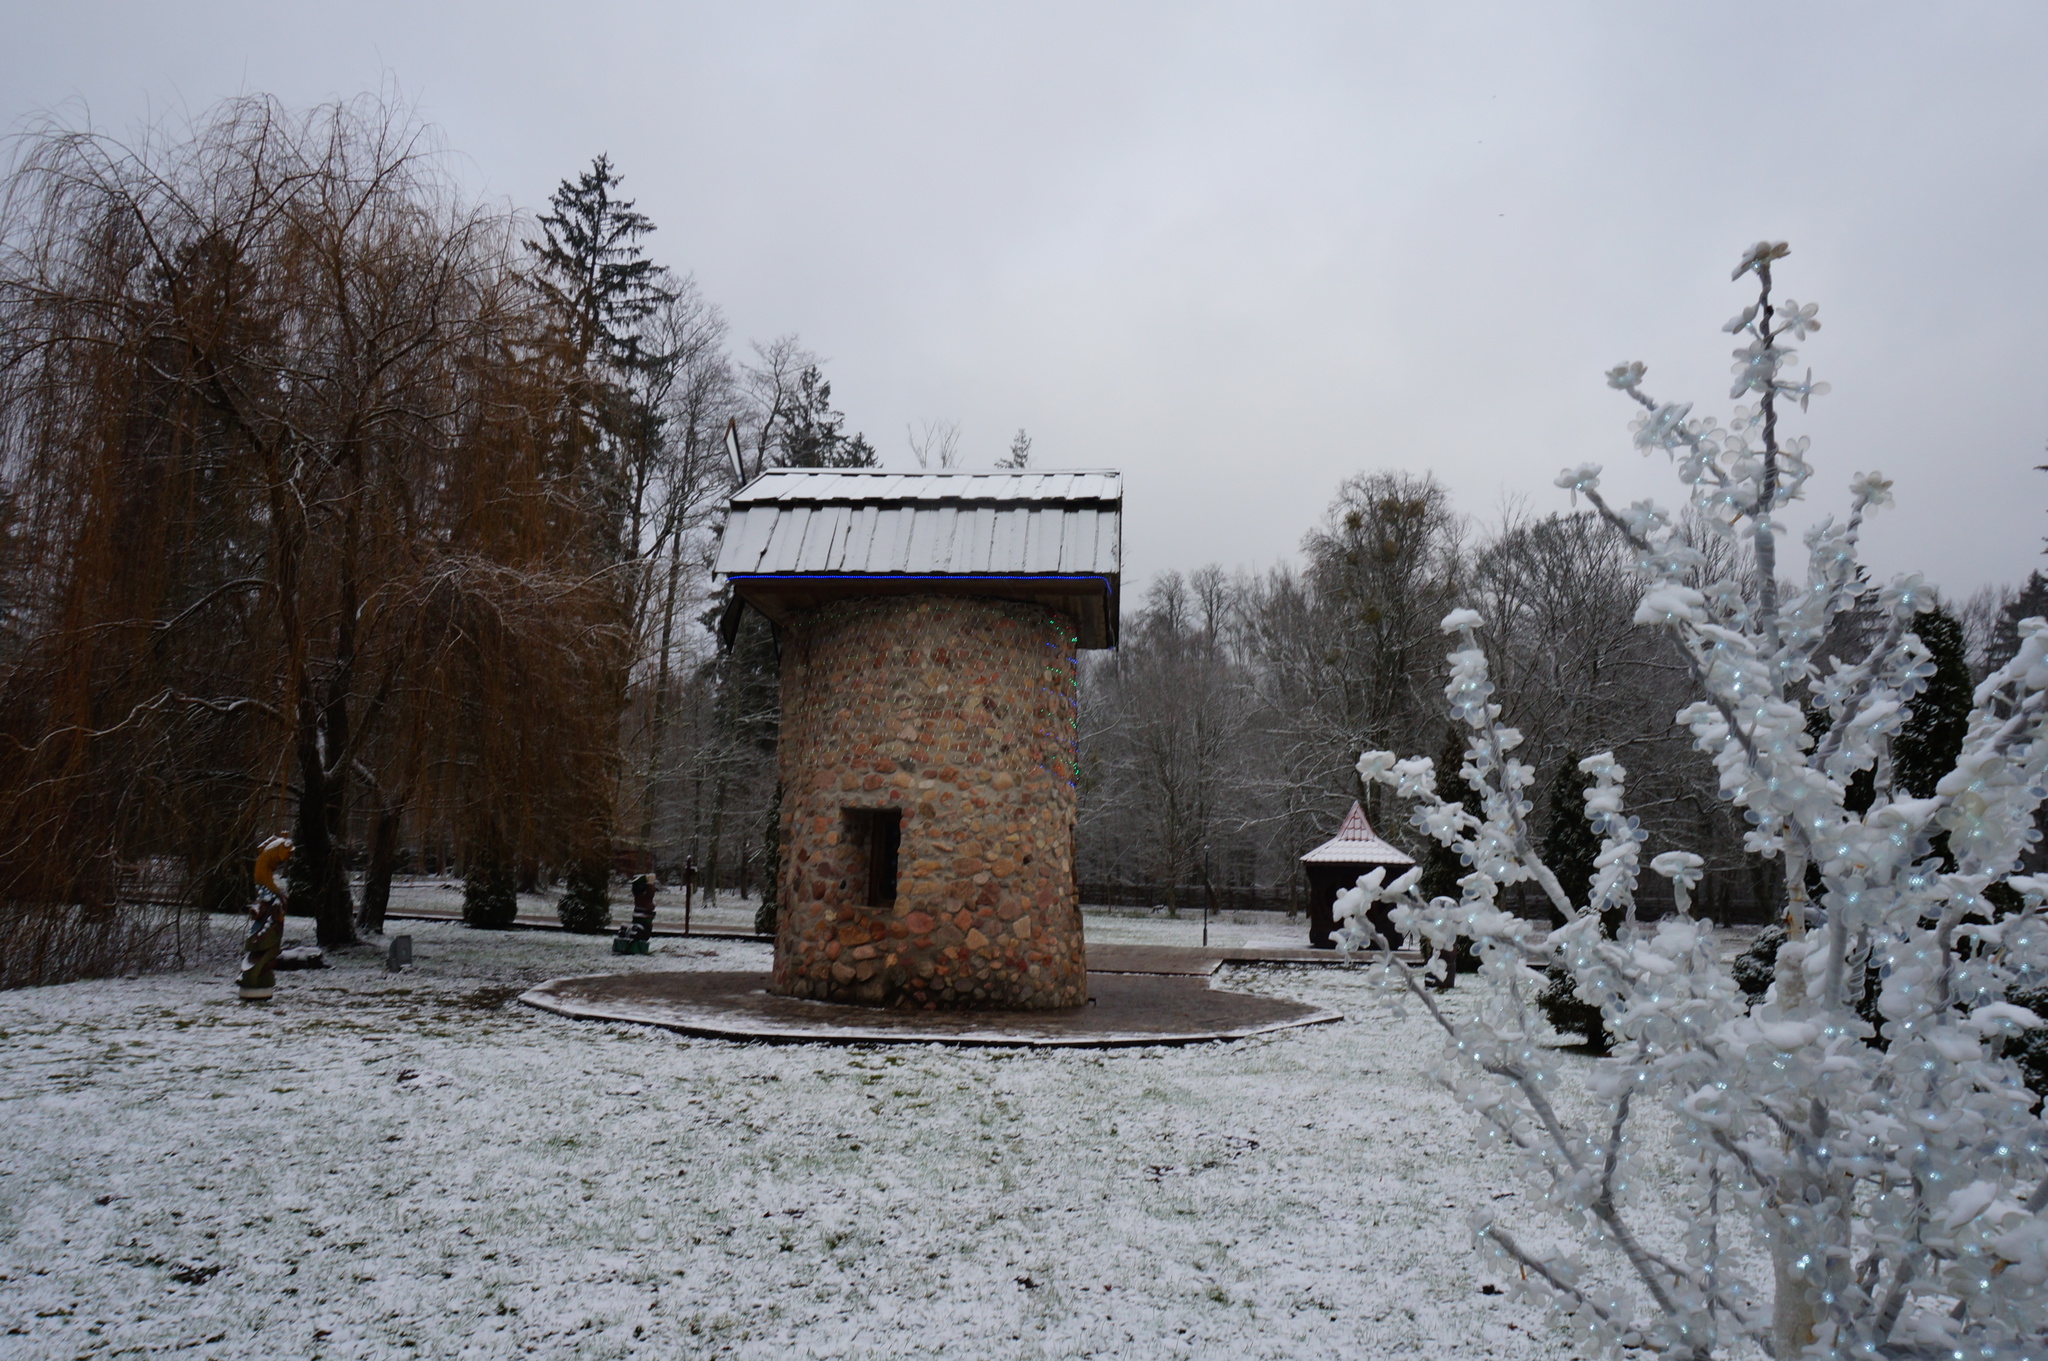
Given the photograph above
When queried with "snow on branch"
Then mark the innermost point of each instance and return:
(1861, 1117)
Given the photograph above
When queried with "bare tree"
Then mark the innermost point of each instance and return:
(265, 393)
(1227, 717)
(937, 441)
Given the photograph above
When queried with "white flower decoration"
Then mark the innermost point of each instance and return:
(1755, 366)
(1375, 765)
(1679, 865)
(1459, 620)
(1804, 389)
(1798, 320)
(1683, 869)
(1585, 477)
(1665, 426)
(1626, 376)
(1762, 253)
(1873, 489)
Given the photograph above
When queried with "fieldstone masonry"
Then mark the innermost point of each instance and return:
(954, 715)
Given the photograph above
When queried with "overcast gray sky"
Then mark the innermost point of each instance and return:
(1243, 251)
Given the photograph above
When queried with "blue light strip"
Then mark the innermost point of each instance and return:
(907, 576)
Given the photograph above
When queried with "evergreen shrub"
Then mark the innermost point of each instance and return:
(490, 894)
(1569, 1013)
(586, 906)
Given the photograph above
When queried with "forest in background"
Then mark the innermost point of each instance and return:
(336, 503)
(1219, 738)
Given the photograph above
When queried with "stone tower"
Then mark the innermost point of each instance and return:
(929, 626)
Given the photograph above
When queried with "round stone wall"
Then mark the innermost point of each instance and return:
(945, 726)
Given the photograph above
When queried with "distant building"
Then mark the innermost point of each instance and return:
(1336, 865)
(929, 626)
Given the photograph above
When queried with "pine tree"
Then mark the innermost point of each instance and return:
(593, 272)
(1020, 452)
(600, 290)
(490, 892)
(746, 718)
(1570, 848)
(811, 435)
(1441, 867)
(1925, 750)
(586, 906)
(2031, 602)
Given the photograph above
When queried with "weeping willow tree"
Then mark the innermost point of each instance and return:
(292, 539)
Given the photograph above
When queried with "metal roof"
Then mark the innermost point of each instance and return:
(811, 520)
(796, 536)
(1356, 844)
(874, 485)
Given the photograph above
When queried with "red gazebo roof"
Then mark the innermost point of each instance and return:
(1356, 844)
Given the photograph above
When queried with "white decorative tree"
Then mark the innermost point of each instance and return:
(1898, 1182)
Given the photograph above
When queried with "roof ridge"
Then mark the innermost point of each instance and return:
(941, 472)
(1355, 834)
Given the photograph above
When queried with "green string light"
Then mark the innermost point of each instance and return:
(1065, 675)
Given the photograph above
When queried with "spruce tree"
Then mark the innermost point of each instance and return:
(591, 269)
(1020, 452)
(811, 435)
(1569, 846)
(1570, 849)
(2032, 601)
(600, 289)
(586, 906)
(490, 891)
(1441, 867)
(1926, 748)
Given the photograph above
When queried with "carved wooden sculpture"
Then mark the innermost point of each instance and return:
(266, 923)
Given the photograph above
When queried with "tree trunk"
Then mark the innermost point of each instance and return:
(658, 734)
(1792, 1314)
(711, 870)
(317, 868)
(771, 869)
(377, 876)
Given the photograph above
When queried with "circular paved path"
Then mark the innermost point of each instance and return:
(1123, 1009)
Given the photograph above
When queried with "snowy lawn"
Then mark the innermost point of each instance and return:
(413, 1165)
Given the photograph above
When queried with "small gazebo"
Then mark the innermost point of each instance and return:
(1336, 865)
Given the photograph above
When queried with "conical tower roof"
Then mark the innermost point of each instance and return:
(1356, 844)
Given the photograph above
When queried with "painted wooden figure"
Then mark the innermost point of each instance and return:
(634, 935)
(266, 923)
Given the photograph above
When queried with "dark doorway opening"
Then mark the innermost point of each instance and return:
(876, 835)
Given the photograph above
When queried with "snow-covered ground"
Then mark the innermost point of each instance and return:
(417, 1166)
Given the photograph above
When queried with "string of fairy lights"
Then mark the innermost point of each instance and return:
(1059, 717)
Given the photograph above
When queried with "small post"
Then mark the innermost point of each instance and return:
(689, 888)
(1208, 895)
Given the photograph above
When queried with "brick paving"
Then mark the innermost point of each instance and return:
(1122, 1010)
